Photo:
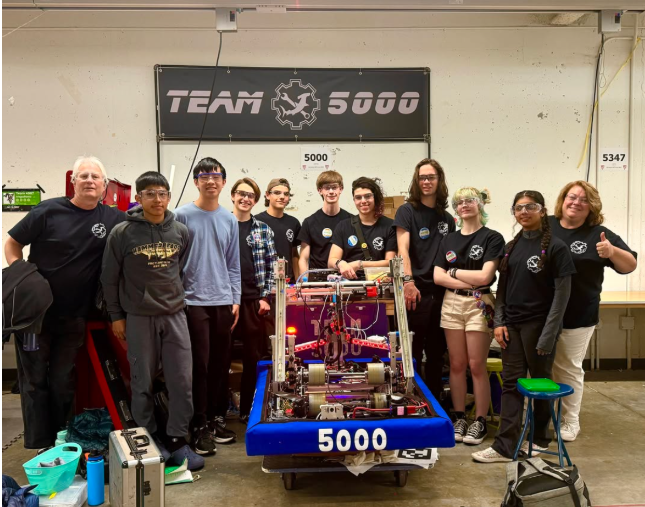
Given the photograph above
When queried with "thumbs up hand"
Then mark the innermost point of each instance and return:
(605, 248)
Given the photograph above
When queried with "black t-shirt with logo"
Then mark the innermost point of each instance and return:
(285, 235)
(586, 285)
(427, 227)
(380, 238)
(247, 267)
(530, 289)
(470, 251)
(67, 244)
(317, 231)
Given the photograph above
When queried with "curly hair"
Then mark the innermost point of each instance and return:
(595, 216)
(544, 225)
(442, 187)
(482, 196)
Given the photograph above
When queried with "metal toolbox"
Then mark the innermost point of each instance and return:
(136, 470)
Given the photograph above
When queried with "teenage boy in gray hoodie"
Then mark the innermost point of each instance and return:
(144, 293)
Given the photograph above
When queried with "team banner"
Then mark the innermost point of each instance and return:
(271, 104)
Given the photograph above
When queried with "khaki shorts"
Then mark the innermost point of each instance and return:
(461, 312)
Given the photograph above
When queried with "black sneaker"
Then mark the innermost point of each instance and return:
(476, 432)
(219, 431)
(203, 442)
(244, 419)
(461, 427)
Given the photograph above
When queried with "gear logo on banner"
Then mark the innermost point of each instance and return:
(295, 104)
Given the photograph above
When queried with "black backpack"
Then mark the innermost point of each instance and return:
(26, 296)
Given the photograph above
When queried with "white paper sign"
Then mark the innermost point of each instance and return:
(315, 158)
(613, 159)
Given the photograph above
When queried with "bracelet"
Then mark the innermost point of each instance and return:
(360, 264)
(453, 273)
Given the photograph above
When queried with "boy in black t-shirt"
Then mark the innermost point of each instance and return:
(421, 224)
(367, 240)
(318, 229)
(67, 238)
(285, 227)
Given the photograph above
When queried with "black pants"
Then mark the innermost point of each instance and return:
(519, 356)
(47, 378)
(251, 330)
(425, 321)
(210, 338)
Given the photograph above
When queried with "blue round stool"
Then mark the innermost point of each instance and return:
(551, 397)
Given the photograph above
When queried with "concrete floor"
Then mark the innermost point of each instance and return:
(610, 453)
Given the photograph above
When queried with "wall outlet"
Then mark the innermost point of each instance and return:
(626, 323)
(226, 20)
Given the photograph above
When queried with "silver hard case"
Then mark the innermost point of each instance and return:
(136, 470)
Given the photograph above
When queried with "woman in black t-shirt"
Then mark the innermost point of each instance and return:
(466, 264)
(349, 253)
(533, 293)
(577, 222)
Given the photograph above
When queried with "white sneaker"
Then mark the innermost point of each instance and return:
(489, 455)
(536, 448)
(569, 432)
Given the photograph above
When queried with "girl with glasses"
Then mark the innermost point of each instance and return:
(465, 265)
(533, 292)
(368, 240)
(578, 222)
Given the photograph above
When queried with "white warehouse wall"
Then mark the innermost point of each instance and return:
(510, 104)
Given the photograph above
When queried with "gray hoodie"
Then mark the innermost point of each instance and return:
(142, 266)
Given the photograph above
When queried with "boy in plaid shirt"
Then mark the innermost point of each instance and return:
(257, 257)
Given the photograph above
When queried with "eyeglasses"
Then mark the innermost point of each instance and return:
(331, 188)
(574, 198)
(469, 201)
(428, 177)
(210, 176)
(531, 207)
(89, 176)
(245, 195)
(367, 197)
(150, 195)
(278, 193)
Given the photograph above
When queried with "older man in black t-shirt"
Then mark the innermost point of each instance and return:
(67, 238)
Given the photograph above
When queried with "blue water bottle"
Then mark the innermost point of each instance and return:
(95, 479)
(30, 342)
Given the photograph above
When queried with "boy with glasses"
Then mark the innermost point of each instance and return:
(213, 288)
(421, 224)
(317, 229)
(145, 301)
(257, 257)
(285, 227)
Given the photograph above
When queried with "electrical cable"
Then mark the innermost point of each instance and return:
(201, 135)
(595, 103)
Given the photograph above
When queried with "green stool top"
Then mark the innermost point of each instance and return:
(540, 385)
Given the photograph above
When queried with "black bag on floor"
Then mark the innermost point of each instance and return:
(540, 483)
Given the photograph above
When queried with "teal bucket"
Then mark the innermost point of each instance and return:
(54, 479)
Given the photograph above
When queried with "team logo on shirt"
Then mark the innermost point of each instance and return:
(378, 244)
(476, 252)
(290, 235)
(99, 230)
(249, 240)
(424, 233)
(443, 228)
(158, 254)
(352, 240)
(532, 264)
(326, 232)
(578, 247)
(451, 256)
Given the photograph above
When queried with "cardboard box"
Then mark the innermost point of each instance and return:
(392, 204)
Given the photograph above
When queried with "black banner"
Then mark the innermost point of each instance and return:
(269, 104)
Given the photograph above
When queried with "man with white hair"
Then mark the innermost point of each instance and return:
(67, 238)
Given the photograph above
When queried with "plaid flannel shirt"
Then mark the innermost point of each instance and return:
(264, 256)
